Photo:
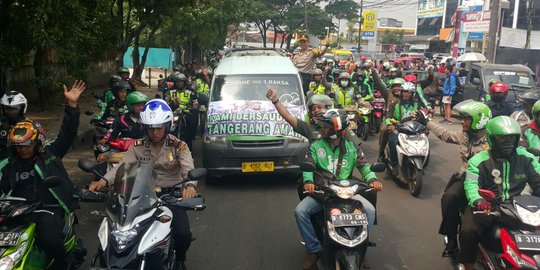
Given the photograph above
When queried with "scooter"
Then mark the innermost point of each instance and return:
(515, 244)
(412, 154)
(136, 232)
(18, 247)
(377, 116)
(342, 225)
(364, 114)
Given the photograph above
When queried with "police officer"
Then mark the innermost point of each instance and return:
(13, 106)
(183, 97)
(171, 161)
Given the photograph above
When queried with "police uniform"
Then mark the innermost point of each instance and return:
(170, 166)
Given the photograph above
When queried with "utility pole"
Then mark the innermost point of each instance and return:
(360, 22)
(530, 11)
(305, 18)
(493, 24)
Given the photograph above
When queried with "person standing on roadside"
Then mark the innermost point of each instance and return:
(304, 60)
(450, 88)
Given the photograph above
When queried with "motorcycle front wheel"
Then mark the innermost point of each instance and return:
(415, 183)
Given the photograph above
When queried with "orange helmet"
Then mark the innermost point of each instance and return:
(27, 132)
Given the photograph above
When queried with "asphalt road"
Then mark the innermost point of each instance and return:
(249, 221)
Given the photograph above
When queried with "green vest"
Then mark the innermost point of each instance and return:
(326, 159)
(201, 87)
(318, 89)
(344, 98)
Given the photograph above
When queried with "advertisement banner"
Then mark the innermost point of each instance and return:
(370, 21)
(430, 8)
(472, 3)
(476, 21)
(250, 117)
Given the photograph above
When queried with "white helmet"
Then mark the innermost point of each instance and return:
(156, 114)
(409, 87)
(14, 99)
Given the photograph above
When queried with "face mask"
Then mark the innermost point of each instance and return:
(344, 83)
(504, 149)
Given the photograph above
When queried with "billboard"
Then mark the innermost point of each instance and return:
(477, 21)
(370, 21)
(430, 8)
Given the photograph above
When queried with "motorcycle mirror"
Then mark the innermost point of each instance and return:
(309, 94)
(534, 151)
(378, 167)
(89, 113)
(307, 167)
(197, 174)
(487, 194)
(86, 165)
(52, 181)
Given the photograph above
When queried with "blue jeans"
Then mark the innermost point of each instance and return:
(309, 206)
(392, 143)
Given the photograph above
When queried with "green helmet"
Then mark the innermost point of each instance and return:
(501, 126)
(535, 108)
(134, 98)
(123, 70)
(477, 111)
(399, 81)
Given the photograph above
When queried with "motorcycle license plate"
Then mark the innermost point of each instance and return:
(8, 239)
(264, 166)
(348, 220)
(527, 241)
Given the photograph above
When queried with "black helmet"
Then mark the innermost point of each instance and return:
(114, 79)
(177, 68)
(337, 121)
(119, 86)
(178, 77)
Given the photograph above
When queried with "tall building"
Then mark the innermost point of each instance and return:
(516, 15)
(432, 15)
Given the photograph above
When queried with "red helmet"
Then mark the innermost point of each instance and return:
(410, 78)
(363, 58)
(498, 91)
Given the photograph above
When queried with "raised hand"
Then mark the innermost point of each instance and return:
(72, 96)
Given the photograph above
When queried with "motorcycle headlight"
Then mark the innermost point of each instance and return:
(9, 261)
(415, 145)
(344, 192)
(122, 238)
(528, 217)
(215, 139)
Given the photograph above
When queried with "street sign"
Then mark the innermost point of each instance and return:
(368, 35)
(370, 21)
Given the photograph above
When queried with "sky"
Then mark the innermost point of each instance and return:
(402, 10)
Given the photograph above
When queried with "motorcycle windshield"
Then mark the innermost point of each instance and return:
(412, 128)
(131, 194)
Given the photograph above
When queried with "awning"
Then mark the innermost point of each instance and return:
(419, 47)
(446, 34)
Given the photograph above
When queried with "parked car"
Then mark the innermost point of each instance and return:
(518, 77)
(244, 134)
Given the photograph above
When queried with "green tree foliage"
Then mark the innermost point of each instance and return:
(343, 9)
(391, 37)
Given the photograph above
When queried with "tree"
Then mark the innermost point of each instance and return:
(391, 37)
(343, 9)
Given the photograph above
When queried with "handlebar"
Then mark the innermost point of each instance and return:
(316, 191)
(493, 213)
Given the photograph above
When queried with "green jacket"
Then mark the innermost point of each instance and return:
(325, 159)
(397, 111)
(517, 170)
(532, 138)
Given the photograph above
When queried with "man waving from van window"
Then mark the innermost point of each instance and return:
(304, 60)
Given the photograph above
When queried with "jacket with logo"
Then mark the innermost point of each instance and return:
(517, 170)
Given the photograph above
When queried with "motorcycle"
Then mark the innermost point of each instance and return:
(136, 232)
(364, 114)
(101, 128)
(377, 116)
(515, 244)
(18, 247)
(352, 113)
(342, 225)
(412, 154)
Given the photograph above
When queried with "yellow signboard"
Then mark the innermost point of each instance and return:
(370, 21)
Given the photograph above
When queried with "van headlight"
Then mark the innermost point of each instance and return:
(8, 261)
(344, 192)
(215, 139)
(298, 140)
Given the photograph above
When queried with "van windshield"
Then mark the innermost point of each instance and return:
(510, 77)
(254, 87)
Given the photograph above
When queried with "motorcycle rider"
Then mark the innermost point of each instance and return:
(529, 99)
(128, 125)
(504, 169)
(344, 94)
(325, 154)
(117, 106)
(31, 160)
(13, 106)
(397, 112)
(183, 97)
(531, 135)
(498, 104)
(419, 92)
(171, 161)
(202, 88)
(471, 140)
(392, 98)
(123, 72)
(318, 85)
(108, 94)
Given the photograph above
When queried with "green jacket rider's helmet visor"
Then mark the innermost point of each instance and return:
(319, 99)
(502, 134)
(479, 113)
(135, 98)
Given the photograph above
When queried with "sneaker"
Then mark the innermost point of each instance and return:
(442, 121)
(451, 248)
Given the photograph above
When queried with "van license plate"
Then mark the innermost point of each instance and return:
(264, 166)
(528, 241)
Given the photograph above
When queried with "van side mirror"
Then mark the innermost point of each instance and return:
(309, 94)
(487, 194)
(197, 174)
(476, 81)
